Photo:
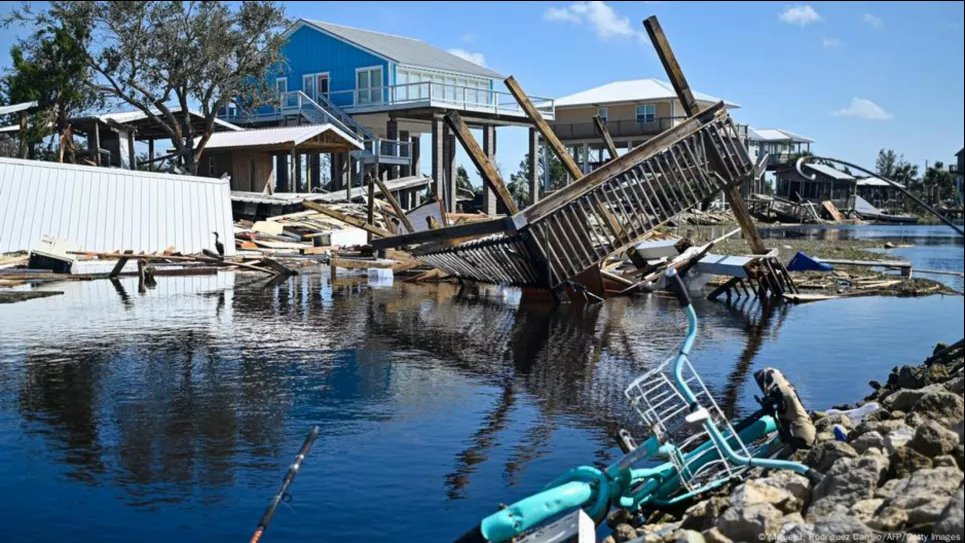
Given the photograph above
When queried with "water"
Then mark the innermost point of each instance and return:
(173, 415)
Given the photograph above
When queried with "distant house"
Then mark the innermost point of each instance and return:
(879, 193)
(828, 184)
(634, 111)
(959, 170)
(388, 90)
(780, 146)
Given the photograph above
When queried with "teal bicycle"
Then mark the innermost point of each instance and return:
(695, 444)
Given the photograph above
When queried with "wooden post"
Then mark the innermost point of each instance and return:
(150, 154)
(489, 172)
(370, 215)
(605, 134)
(97, 144)
(533, 166)
(489, 206)
(130, 150)
(544, 129)
(395, 205)
(686, 97)
(438, 157)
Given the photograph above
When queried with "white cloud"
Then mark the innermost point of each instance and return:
(475, 58)
(605, 22)
(799, 15)
(864, 109)
(830, 43)
(873, 21)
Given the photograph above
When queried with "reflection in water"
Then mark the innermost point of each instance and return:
(180, 407)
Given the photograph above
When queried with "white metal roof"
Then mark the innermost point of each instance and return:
(636, 90)
(14, 108)
(124, 117)
(775, 134)
(873, 182)
(403, 50)
(830, 172)
(108, 209)
(284, 135)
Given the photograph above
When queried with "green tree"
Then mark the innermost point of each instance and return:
(50, 67)
(938, 183)
(165, 58)
(886, 162)
(463, 185)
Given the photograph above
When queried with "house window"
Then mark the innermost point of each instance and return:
(646, 113)
(321, 85)
(604, 114)
(308, 85)
(315, 85)
(368, 85)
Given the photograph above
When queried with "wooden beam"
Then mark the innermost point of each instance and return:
(686, 97)
(351, 221)
(395, 205)
(601, 128)
(544, 129)
(121, 262)
(478, 228)
(486, 168)
(670, 65)
(370, 204)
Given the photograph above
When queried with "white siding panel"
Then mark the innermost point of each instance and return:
(103, 209)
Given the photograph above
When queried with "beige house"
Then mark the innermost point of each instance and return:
(634, 111)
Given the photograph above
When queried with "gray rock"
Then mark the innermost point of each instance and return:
(827, 422)
(841, 528)
(823, 455)
(942, 406)
(887, 489)
(750, 523)
(924, 495)
(757, 491)
(867, 441)
(608, 539)
(864, 510)
(657, 533)
(898, 437)
(956, 385)
(905, 461)
(714, 535)
(932, 440)
(703, 515)
(688, 536)
(950, 522)
(888, 519)
(906, 398)
(797, 485)
(944, 461)
(883, 427)
(849, 480)
(623, 533)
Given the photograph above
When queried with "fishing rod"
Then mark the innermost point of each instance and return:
(285, 483)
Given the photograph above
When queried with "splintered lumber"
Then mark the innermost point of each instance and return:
(605, 134)
(686, 97)
(397, 209)
(121, 262)
(352, 221)
(544, 128)
(485, 166)
(832, 210)
(14, 296)
(477, 228)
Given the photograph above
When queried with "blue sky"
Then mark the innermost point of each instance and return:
(855, 77)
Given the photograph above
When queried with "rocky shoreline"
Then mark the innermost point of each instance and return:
(895, 475)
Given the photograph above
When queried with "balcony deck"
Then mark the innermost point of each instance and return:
(414, 96)
(618, 129)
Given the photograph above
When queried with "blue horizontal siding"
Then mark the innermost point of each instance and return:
(309, 50)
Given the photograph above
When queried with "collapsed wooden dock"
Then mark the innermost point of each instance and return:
(553, 243)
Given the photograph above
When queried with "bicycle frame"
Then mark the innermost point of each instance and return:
(596, 490)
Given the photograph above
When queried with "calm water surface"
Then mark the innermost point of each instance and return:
(172, 415)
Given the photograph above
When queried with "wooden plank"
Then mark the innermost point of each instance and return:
(478, 228)
(121, 262)
(486, 168)
(351, 221)
(615, 167)
(601, 128)
(686, 97)
(544, 129)
(395, 205)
